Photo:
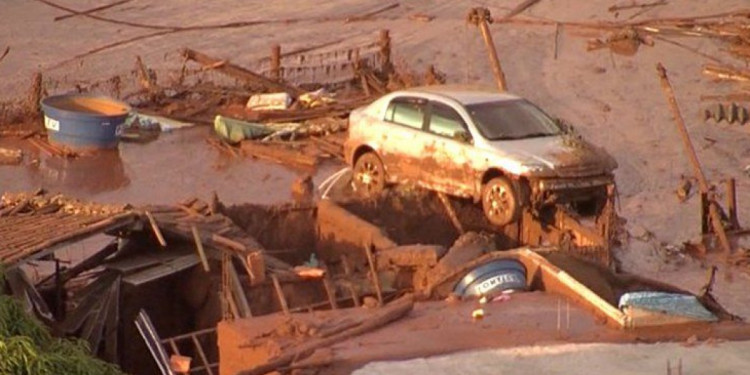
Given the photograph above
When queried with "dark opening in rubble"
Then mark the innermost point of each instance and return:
(417, 216)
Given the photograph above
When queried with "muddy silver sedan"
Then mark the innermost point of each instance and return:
(492, 147)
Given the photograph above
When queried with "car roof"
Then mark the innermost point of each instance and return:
(464, 94)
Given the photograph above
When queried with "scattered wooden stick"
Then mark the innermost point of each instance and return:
(520, 8)
(451, 212)
(369, 15)
(330, 291)
(726, 72)
(615, 8)
(374, 273)
(5, 53)
(688, 48)
(379, 318)
(199, 248)
(92, 10)
(155, 229)
(280, 294)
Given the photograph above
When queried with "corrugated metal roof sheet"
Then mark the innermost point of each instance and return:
(167, 268)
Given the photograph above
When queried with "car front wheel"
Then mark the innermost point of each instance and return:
(368, 177)
(500, 202)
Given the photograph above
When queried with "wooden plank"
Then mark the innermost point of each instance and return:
(576, 287)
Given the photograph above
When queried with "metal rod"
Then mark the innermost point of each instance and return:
(693, 156)
(173, 345)
(187, 335)
(202, 354)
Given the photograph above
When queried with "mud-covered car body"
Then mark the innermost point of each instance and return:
(454, 139)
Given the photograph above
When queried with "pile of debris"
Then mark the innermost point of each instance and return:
(291, 109)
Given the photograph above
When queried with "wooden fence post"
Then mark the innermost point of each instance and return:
(276, 62)
(385, 51)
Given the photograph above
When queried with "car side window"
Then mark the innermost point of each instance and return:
(445, 121)
(406, 111)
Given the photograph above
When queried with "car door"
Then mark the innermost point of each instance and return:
(402, 143)
(447, 146)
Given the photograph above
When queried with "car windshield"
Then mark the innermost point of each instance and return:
(511, 119)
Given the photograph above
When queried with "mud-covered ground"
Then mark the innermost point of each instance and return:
(613, 100)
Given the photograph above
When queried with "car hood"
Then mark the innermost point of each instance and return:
(563, 155)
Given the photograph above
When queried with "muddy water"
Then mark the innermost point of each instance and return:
(175, 166)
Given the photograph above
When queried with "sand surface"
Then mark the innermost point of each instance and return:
(622, 359)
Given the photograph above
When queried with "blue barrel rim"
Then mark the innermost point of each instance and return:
(46, 106)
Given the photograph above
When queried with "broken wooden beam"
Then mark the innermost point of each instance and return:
(380, 317)
(240, 73)
(713, 208)
(481, 18)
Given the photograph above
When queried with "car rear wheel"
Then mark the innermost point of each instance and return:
(368, 178)
(500, 201)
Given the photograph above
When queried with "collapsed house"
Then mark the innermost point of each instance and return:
(254, 289)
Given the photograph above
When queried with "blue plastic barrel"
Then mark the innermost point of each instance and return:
(81, 121)
(493, 277)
